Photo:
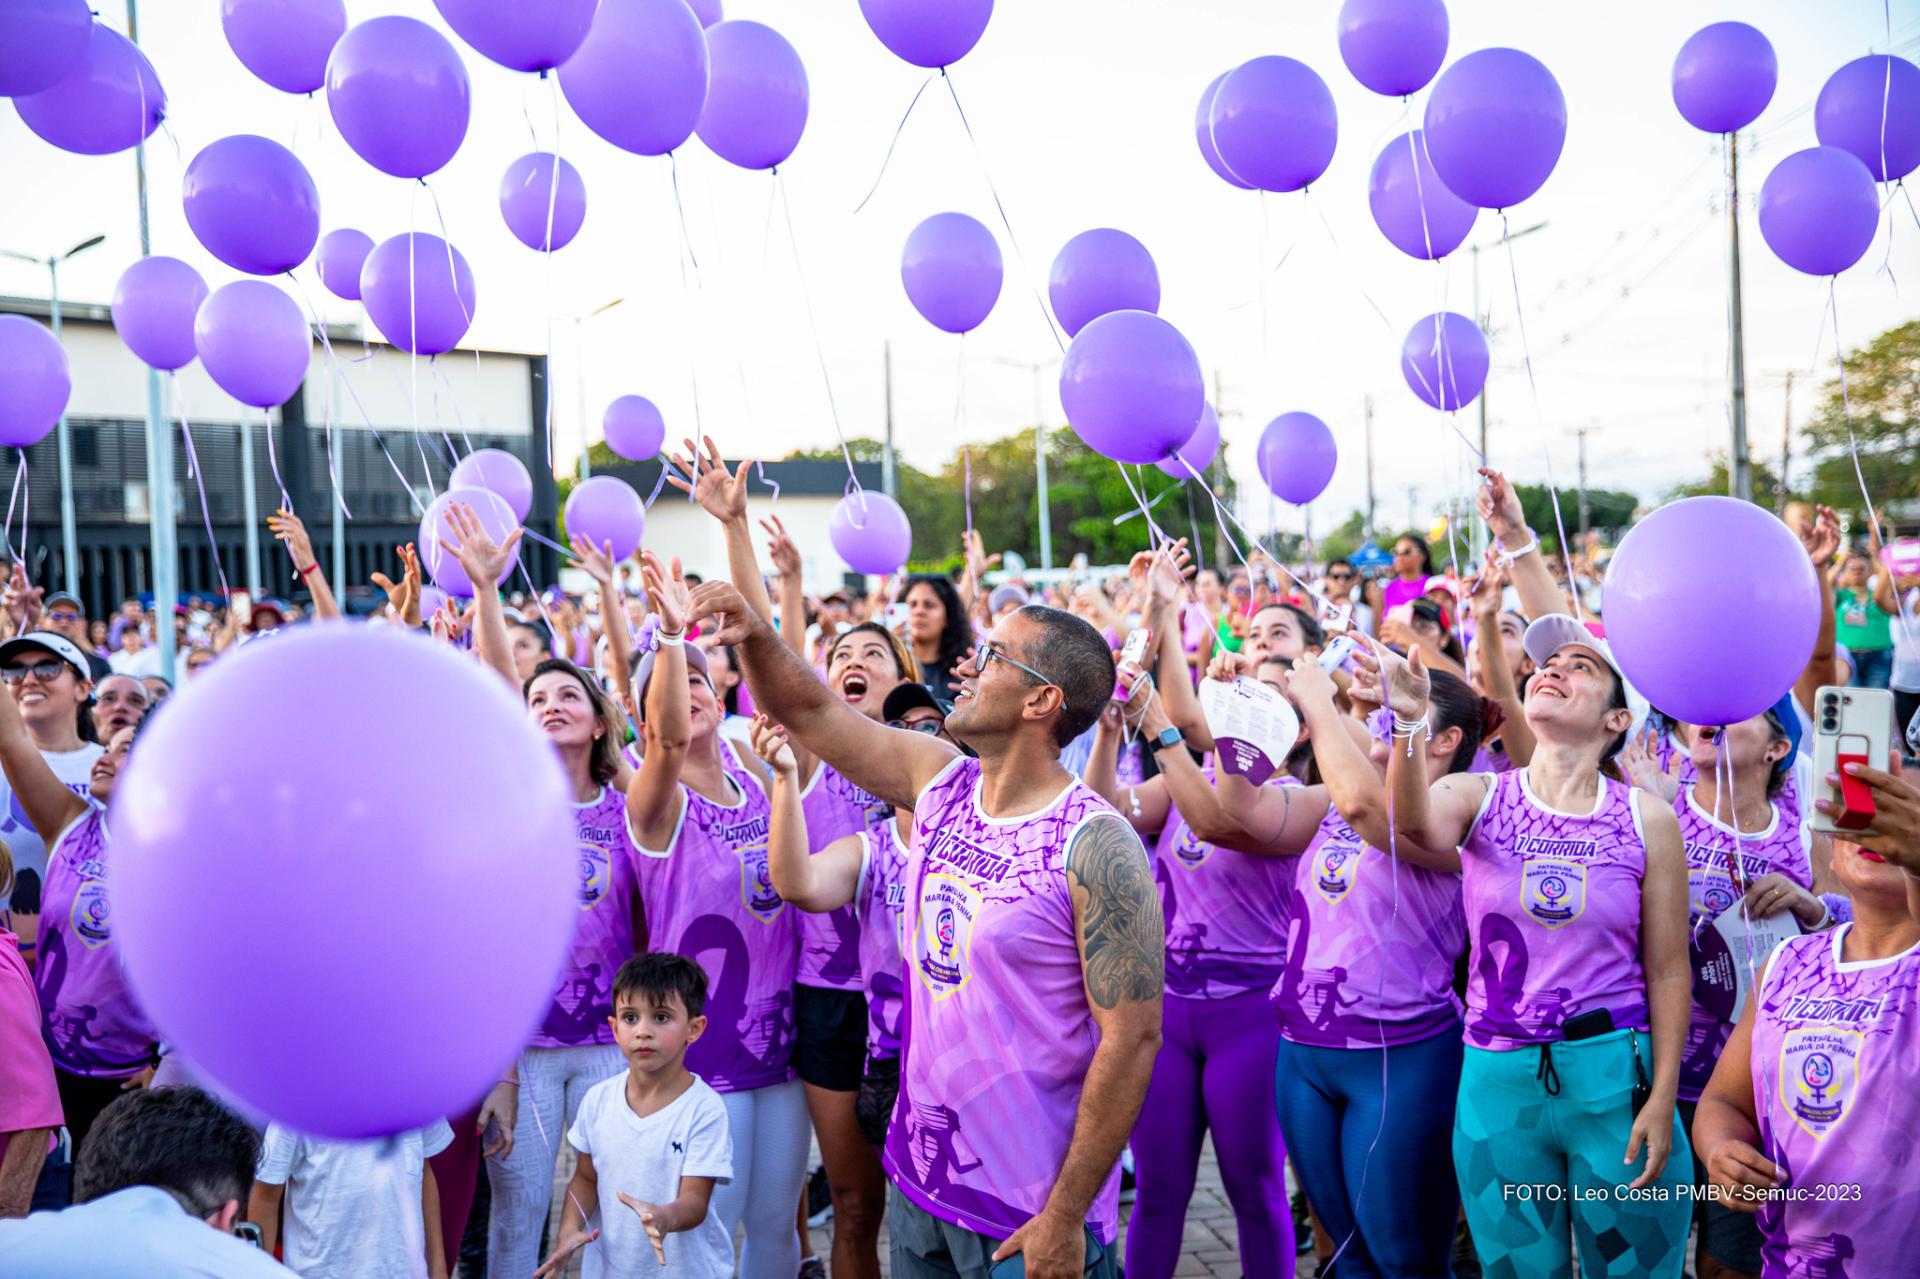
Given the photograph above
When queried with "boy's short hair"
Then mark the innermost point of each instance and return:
(657, 975)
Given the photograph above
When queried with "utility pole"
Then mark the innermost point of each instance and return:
(1040, 474)
(1581, 436)
(1367, 414)
(1413, 500)
(1780, 487)
(1739, 465)
(1485, 321)
(888, 483)
(160, 531)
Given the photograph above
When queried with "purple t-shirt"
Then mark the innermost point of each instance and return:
(603, 930)
(1226, 912)
(92, 1024)
(1398, 591)
(879, 903)
(1553, 910)
(709, 896)
(1371, 952)
(997, 1034)
(1836, 1048)
(830, 942)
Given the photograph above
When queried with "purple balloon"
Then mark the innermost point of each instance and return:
(154, 306)
(1393, 46)
(1444, 360)
(1199, 449)
(34, 383)
(1100, 271)
(1131, 387)
(500, 473)
(1818, 210)
(109, 99)
(521, 37)
(341, 255)
(928, 33)
(531, 198)
(253, 342)
(757, 103)
(634, 428)
(870, 532)
(951, 268)
(1871, 107)
(1296, 457)
(1274, 124)
(421, 1024)
(707, 11)
(495, 516)
(1413, 208)
(399, 94)
(1723, 77)
(1203, 133)
(431, 598)
(604, 509)
(252, 204)
(1659, 586)
(431, 311)
(641, 77)
(40, 42)
(1496, 121)
(284, 42)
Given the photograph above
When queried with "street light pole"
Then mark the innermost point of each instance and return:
(1037, 367)
(1485, 321)
(1739, 464)
(580, 381)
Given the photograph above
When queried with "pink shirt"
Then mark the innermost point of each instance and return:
(28, 1097)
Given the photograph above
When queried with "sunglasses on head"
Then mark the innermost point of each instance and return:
(45, 672)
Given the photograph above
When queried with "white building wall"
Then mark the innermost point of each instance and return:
(676, 526)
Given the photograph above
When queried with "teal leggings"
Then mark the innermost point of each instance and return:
(1539, 1139)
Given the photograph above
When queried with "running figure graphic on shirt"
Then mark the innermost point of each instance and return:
(575, 1014)
(935, 1130)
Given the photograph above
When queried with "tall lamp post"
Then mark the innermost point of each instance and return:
(580, 378)
(69, 536)
(1481, 318)
(1039, 452)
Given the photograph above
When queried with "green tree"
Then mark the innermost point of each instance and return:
(1344, 540)
(1606, 509)
(1881, 401)
(1765, 482)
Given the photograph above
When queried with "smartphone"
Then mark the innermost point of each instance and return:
(250, 1233)
(1132, 653)
(1850, 726)
(241, 602)
(1335, 654)
(896, 617)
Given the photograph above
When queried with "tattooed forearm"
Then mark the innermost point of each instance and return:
(1123, 935)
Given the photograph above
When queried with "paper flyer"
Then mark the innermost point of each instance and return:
(1254, 727)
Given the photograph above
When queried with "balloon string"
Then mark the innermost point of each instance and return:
(898, 130)
(960, 431)
(547, 542)
(666, 467)
(16, 553)
(453, 274)
(199, 479)
(686, 236)
(546, 245)
(1419, 188)
(413, 318)
(820, 349)
(1164, 495)
(453, 402)
(273, 461)
(1193, 522)
(1323, 604)
(1853, 444)
(687, 290)
(760, 470)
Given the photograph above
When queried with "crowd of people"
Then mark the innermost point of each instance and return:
(959, 885)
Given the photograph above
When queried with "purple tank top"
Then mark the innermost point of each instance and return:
(709, 896)
(1372, 948)
(1553, 911)
(1785, 847)
(89, 1018)
(1836, 1048)
(996, 1035)
(879, 903)
(1226, 912)
(603, 930)
(830, 943)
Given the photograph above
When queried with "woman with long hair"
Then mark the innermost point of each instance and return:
(1412, 566)
(937, 629)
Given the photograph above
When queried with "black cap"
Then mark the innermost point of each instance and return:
(906, 697)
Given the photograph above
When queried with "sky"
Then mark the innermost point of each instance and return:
(1082, 116)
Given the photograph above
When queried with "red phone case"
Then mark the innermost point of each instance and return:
(1856, 797)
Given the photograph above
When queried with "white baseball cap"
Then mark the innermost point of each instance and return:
(1548, 635)
(48, 642)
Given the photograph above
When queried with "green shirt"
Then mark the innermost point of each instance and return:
(1859, 623)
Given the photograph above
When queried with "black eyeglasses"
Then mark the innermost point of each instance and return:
(931, 727)
(1341, 576)
(989, 652)
(45, 672)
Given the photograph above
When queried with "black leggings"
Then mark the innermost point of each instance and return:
(82, 1098)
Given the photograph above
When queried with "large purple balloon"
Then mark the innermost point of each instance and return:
(604, 509)
(253, 342)
(1723, 77)
(40, 41)
(1871, 107)
(634, 428)
(757, 102)
(928, 33)
(431, 311)
(708, 11)
(1393, 46)
(1413, 208)
(1274, 124)
(1818, 210)
(109, 99)
(1296, 457)
(1199, 449)
(1671, 577)
(252, 204)
(340, 256)
(399, 94)
(531, 199)
(284, 42)
(154, 306)
(951, 267)
(34, 383)
(870, 532)
(441, 564)
(520, 36)
(499, 472)
(424, 1020)
(1444, 360)
(1203, 133)
(1100, 271)
(1132, 387)
(1496, 121)
(641, 77)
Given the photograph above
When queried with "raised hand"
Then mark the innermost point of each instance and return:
(484, 560)
(770, 743)
(1308, 683)
(667, 587)
(1227, 666)
(403, 597)
(596, 562)
(780, 549)
(1641, 762)
(570, 1242)
(1500, 507)
(22, 601)
(719, 494)
(1401, 681)
(722, 601)
(1485, 588)
(975, 552)
(450, 624)
(288, 528)
(652, 1221)
(1822, 538)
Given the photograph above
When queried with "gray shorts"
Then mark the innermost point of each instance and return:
(925, 1247)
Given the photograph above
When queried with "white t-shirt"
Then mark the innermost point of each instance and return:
(29, 849)
(139, 665)
(134, 1233)
(347, 1214)
(647, 1158)
(1906, 645)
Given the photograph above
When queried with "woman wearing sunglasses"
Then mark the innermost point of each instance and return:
(1412, 566)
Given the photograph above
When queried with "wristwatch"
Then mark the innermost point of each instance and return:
(1168, 736)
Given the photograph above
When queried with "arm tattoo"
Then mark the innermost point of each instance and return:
(1124, 934)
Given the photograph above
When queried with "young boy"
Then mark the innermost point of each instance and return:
(339, 1211)
(657, 1136)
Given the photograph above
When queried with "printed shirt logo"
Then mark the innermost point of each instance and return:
(594, 875)
(1333, 869)
(1189, 850)
(1711, 890)
(1553, 893)
(756, 884)
(1819, 1071)
(90, 919)
(943, 941)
